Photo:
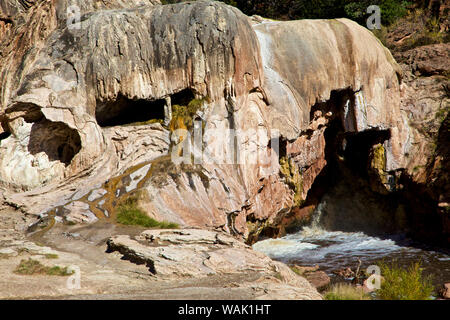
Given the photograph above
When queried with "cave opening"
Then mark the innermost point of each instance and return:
(4, 135)
(357, 148)
(346, 186)
(346, 191)
(124, 111)
(56, 139)
(183, 97)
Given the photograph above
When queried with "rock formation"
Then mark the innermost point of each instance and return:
(87, 105)
(214, 265)
(204, 253)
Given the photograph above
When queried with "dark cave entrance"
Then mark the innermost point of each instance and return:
(4, 135)
(56, 139)
(346, 187)
(350, 196)
(123, 111)
(182, 98)
(348, 184)
(357, 148)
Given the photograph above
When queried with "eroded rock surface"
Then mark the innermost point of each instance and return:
(199, 253)
(249, 275)
(100, 90)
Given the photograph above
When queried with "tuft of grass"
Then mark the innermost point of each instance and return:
(51, 256)
(58, 271)
(296, 270)
(32, 267)
(129, 213)
(278, 276)
(344, 291)
(404, 283)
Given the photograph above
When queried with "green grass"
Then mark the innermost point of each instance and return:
(404, 283)
(344, 291)
(296, 270)
(129, 213)
(32, 267)
(51, 256)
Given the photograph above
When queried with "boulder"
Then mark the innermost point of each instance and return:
(195, 253)
(319, 279)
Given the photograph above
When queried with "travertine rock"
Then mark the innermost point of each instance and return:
(82, 83)
(200, 253)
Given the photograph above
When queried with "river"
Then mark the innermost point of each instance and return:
(335, 250)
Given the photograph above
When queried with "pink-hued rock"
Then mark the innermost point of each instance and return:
(274, 77)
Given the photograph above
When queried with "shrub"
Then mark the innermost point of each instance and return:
(404, 283)
(129, 213)
(391, 10)
(344, 291)
(31, 267)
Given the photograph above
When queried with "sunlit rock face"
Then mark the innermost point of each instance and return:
(88, 85)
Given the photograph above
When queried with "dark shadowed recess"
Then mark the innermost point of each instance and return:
(358, 146)
(56, 139)
(4, 135)
(348, 156)
(123, 110)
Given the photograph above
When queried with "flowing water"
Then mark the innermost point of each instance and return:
(334, 250)
(313, 245)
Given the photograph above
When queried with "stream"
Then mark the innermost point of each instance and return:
(335, 250)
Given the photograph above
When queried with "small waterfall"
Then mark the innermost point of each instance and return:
(333, 250)
(315, 228)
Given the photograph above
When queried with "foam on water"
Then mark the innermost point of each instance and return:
(315, 244)
(281, 248)
(334, 250)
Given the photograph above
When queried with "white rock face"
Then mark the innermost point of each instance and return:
(266, 80)
(188, 253)
(20, 168)
(79, 213)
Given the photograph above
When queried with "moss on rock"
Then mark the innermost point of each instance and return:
(183, 115)
(294, 179)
